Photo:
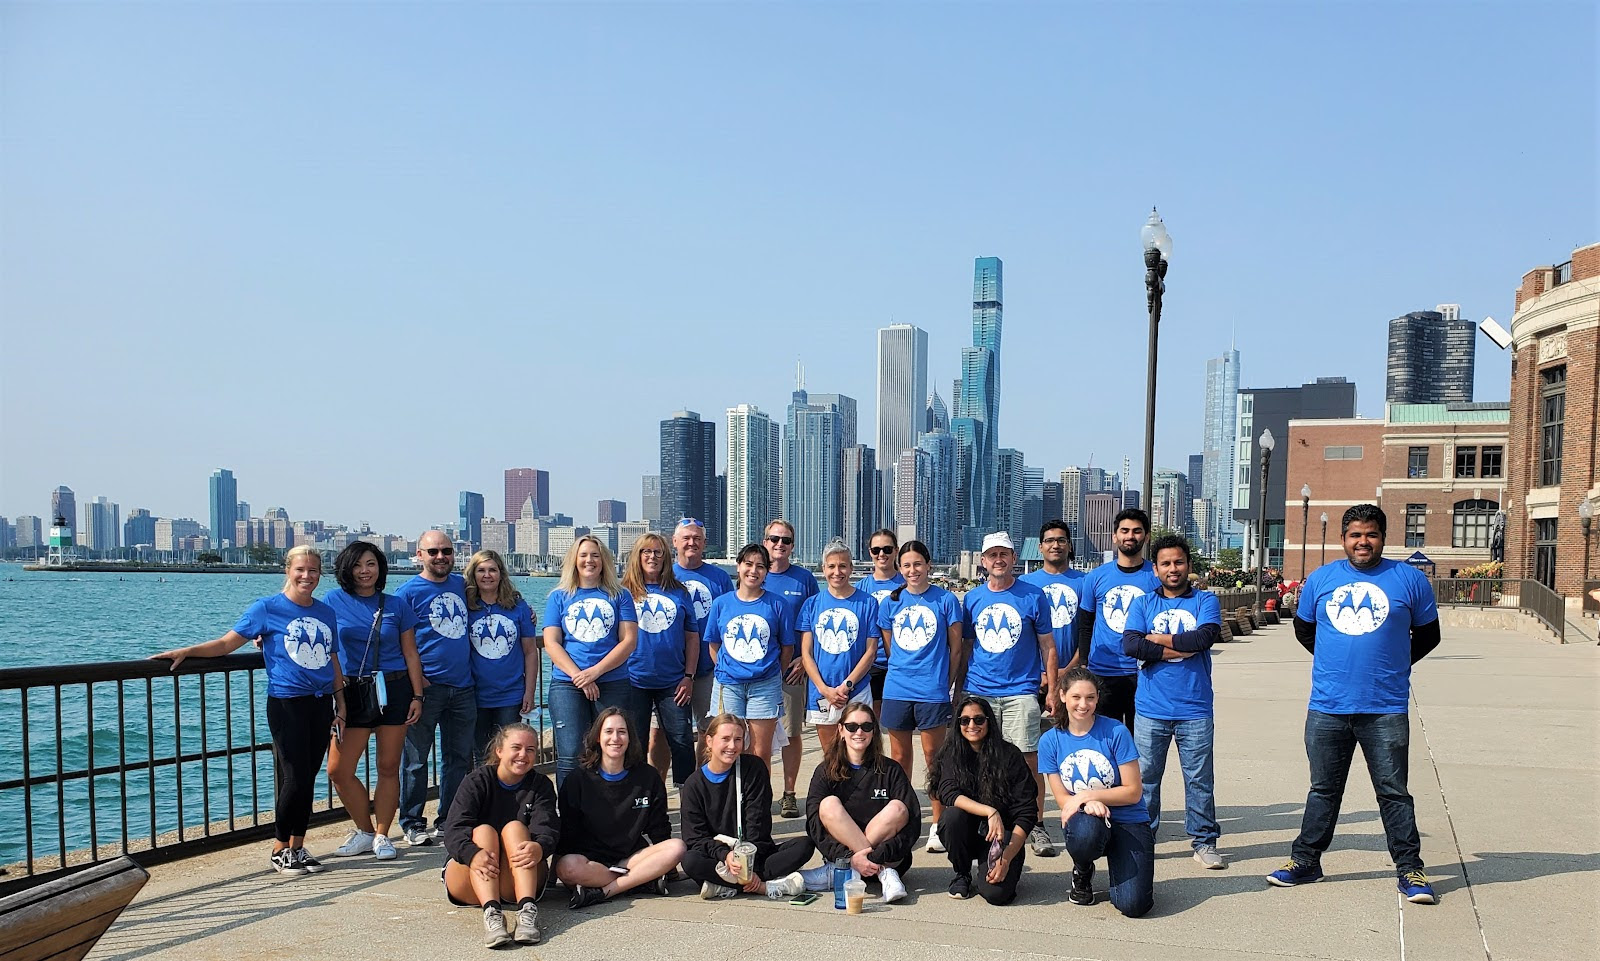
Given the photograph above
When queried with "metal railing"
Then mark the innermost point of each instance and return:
(125, 757)
(1523, 594)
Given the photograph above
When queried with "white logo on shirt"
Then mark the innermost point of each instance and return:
(493, 636)
(1063, 604)
(914, 627)
(1174, 621)
(837, 629)
(308, 642)
(880, 595)
(1357, 609)
(1087, 770)
(700, 595)
(1115, 607)
(746, 637)
(998, 628)
(657, 612)
(589, 620)
(447, 613)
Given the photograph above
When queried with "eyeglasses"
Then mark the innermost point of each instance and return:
(854, 726)
(651, 552)
(436, 551)
(779, 539)
(691, 522)
(973, 720)
(1054, 540)
(880, 551)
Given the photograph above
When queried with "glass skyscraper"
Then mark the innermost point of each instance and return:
(469, 506)
(902, 394)
(941, 533)
(811, 476)
(975, 421)
(860, 503)
(1431, 357)
(753, 474)
(688, 479)
(224, 508)
(1216, 481)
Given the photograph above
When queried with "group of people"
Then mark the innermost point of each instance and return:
(1060, 683)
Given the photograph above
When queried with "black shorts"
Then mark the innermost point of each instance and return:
(398, 688)
(876, 679)
(544, 883)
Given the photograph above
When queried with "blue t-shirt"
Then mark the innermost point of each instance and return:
(441, 628)
(1110, 591)
(498, 667)
(1174, 690)
(1093, 762)
(793, 587)
(355, 614)
(840, 631)
(704, 584)
(590, 622)
(749, 634)
(1362, 662)
(1003, 628)
(880, 590)
(918, 628)
(1063, 591)
(297, 643)
(664, 617)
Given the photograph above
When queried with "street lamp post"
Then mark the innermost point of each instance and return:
(1267, 444)
(1585, 521)
(1305, 525)
(1324, 539)
(1157, 251)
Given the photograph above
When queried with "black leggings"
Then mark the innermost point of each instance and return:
(787, 859)
(299, 727)
(965, 841)
(1116, 698)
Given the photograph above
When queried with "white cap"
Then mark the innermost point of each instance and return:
(998, 539)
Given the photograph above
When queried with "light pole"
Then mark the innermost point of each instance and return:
(1324, 559)
(1305, 525)
(1157, 250)
(1585, 521)
(1267, 444)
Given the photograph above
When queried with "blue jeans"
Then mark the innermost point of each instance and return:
(453, 711)
(1153, 736)
(490, 720)
(572, 714)
(1129, 850)
(1385, 741)
(675, 726)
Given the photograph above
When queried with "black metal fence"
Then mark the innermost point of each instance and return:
(1523, 594)
(129, 757)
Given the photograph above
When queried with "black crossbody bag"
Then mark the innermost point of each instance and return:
(361, 693)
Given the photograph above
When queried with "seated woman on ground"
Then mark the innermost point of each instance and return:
(615, 835)
(990, 804)
(862, 808)
(501, 830)
(729, 798)
(1091, 767)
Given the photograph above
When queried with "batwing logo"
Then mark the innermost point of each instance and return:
(1087, 771)
(657, 612)
(1063, 604)
(999, 628)
(1115, 607)
(1358, 608)
(493, 636)
(1175, 621)
(837, 630)
(447, 613)
(880, 595)
(700, 596)
(308, 642)
(914, 627)
(747, 637)
(589, 620)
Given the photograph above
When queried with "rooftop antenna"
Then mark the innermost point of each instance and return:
(799, 375)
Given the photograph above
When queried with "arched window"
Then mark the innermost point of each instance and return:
(1470, 524)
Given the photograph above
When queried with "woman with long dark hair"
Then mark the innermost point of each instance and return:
(990, 804)
(615, 835)
(862, 807)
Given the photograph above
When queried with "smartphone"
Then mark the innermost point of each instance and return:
(804, 899)
(618, 869)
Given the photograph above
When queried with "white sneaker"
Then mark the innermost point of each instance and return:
(713, 892)
(383, 848)
(819, 878)
(495, 934)
(788, 886)
(935, 846)
(357, 844)
(893, 888)
(1208, 857)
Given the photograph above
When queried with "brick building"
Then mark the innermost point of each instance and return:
(1555, 333)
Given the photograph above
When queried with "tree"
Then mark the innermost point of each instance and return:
(262, 554)
(208, 557)
(1230, 558)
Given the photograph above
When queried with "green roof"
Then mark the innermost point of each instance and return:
(1492, 413)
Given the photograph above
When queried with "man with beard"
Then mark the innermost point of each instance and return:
(449, 700)
(1107, 593)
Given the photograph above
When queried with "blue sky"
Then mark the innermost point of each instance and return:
(367, 255)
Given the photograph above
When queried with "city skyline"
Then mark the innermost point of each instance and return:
(243, 199)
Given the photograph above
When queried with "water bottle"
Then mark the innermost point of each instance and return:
(842, 872)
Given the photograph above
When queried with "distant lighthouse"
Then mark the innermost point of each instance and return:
(62, 543)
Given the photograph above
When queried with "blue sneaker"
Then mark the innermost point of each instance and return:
(1414, 887)
(1293, 873)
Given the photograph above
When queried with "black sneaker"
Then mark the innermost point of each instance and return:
(583, 897)
(283, 862)
(961, 887)
(789, 807)
(1082, 885)
(311, 864)
(659, 886)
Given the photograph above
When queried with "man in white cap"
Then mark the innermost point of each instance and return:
(1011, 654)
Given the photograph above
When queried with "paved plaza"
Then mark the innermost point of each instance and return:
(1504, 769)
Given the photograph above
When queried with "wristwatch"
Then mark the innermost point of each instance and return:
(849, 685)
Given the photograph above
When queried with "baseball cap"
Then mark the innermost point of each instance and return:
(998, 539)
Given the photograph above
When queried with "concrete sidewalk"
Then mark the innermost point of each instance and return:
(1503, 766)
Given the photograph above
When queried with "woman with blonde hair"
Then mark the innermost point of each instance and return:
(590, 630)
(662, 667)
(504, 646)
(304, 694)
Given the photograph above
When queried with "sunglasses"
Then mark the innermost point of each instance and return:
(973, 720)
(779, 539)
(691, 522)
(854, 726)
(436, 551)
(879, 551)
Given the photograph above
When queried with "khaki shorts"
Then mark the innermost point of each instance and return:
(794, 709)
(1019, 720)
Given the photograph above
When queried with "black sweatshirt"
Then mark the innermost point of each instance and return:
(607, 821)
(864, 793)
(1015, 796)
(481, 799)
(707, 809)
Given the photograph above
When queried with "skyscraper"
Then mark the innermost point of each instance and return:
(811, 476)
(224, 507)
(1008, 493)
(976, 420)
(859, 501)
(938, 415)
(1216, 480)
(753, 473)
(1431, 357)
(139, 528)
(1050, 506)
(63, 505)
(650, 499)
(523, 483)
(940, 535)
(902, 394)
(102, 525)
(688, 474)
(612, 511)
(29, 532)
(469, 506)
(913, 480)
(848, 420)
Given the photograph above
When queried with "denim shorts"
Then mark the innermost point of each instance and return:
(915, 715)
(760, 700)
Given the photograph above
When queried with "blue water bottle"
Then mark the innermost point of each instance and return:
(841, 874)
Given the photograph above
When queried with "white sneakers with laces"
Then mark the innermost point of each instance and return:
(358, 843)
